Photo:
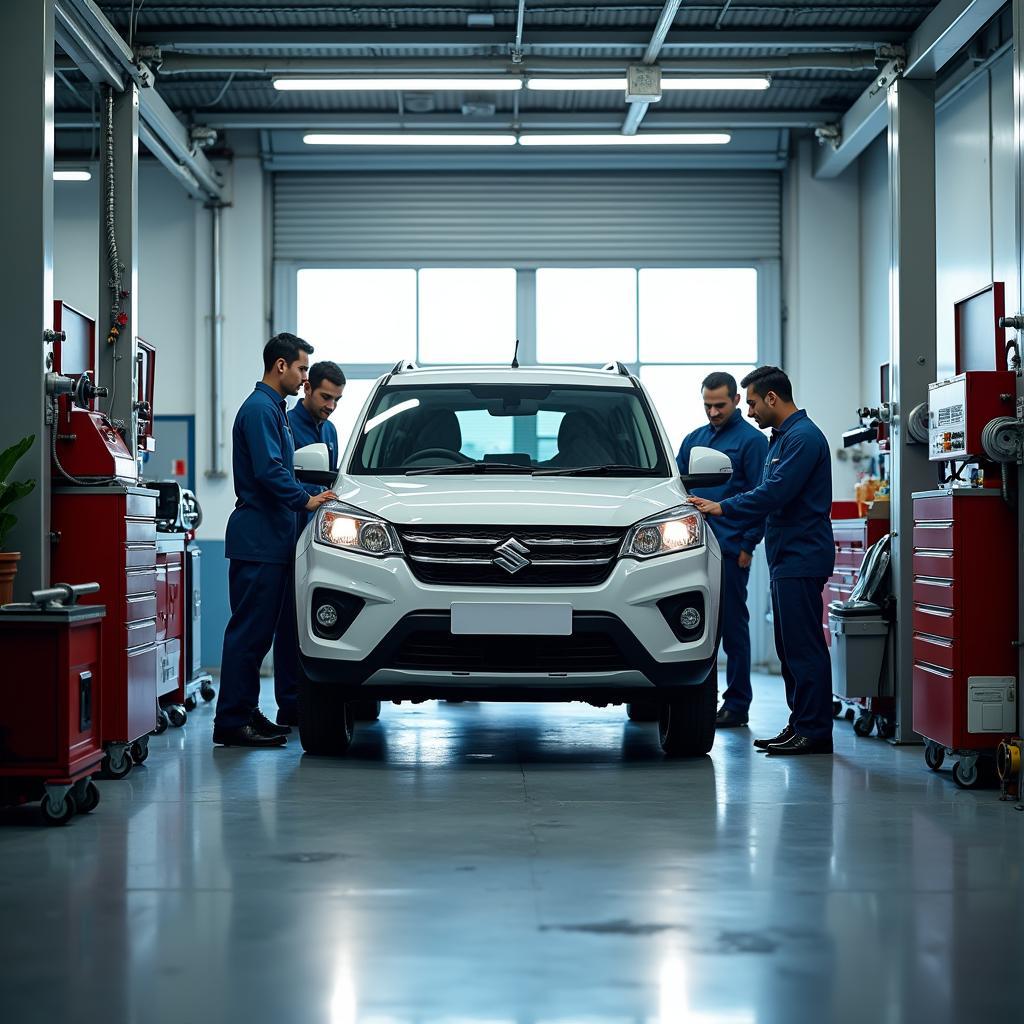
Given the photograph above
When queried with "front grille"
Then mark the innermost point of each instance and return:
(578, 556)
(443, 652)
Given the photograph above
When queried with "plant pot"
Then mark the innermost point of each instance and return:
(8, 570)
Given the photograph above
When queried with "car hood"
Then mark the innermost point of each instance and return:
(511, 500)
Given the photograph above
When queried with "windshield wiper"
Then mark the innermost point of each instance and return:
(471, 467)
(609, 470)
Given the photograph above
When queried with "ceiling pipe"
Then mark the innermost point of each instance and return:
(651, 54)
(189, 64)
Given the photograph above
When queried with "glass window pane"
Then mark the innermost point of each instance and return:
(675, 391)
(483, 434)
(586, 315)
(691, 314)
(467, 316)
(357, 316)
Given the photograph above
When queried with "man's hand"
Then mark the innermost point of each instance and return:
(709, 508)
(744, 560)
(317, 500)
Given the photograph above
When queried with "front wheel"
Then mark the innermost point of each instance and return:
(366, 710)
(325, 718)
(686, 723)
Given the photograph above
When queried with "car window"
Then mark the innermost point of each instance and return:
(409, 428)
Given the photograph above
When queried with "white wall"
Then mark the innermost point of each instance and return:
(822, 329)
(875, 243)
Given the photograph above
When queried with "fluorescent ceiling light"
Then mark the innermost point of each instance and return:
(364, 139)
(649, 139)
(72, 176)
(758, 82)
(506, 84)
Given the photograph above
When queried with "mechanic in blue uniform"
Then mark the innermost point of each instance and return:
(309, 422)
(794, 498)
(260, 541)
(747, 448)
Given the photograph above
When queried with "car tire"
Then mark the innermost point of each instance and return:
(642, 711)
(325, 719)
(366, 710)
(686, 723)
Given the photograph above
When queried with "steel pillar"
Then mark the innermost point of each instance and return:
(911, 111)
(1018, 153)
(119, 229)
(26, 268)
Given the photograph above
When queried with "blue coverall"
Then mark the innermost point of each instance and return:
(795, 499)
(305, 431)
(260, 544)
(747, 447)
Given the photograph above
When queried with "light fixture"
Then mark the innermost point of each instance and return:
(755, 82)
(72, 175)
(398, 139)
(649, 139)
(462, 84)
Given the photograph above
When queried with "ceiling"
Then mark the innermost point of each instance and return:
(215, 62)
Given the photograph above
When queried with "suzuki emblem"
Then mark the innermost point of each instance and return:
(510, 555)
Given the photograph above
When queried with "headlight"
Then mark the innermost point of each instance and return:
(664, 534)
(342, 526)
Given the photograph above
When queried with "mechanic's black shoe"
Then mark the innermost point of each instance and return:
(246, 736)
(264, 725)
(797, 744)
(781, 738)
(288, 716)
(729, 719)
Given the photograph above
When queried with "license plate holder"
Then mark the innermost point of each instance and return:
(510, 619)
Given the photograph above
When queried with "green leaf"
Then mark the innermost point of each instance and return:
(12, 492)
(9, 457)
(7, 522)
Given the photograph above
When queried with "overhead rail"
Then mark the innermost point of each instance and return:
(651, 54)
(946, 31)
(104, 58)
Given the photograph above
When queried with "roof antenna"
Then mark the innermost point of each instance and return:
(515, 356)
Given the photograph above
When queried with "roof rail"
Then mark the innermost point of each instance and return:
(403, 364)
(616, 367)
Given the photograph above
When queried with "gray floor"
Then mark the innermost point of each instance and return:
(495, 863)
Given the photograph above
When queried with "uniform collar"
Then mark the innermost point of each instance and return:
(303, 413)
(268, 390)
(800, 414)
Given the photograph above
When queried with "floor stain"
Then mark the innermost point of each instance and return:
(620, 927)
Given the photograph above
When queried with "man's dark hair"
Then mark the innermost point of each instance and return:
(769, 378)
(283, 346)
(720, 379)
(326, 370)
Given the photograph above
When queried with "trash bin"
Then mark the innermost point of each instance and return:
(859, 635)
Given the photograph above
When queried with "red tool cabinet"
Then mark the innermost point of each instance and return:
(170, 602)
(51, 698)
(108, 534)
(964, 618)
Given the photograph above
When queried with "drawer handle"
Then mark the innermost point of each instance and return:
(937, 641)
(927, 609)
(933, 669)
(934, 524)
(932, 581)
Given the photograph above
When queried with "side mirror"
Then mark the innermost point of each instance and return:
(708, 468)
(313, 465)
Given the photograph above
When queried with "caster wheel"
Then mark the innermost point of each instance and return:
(934, 755)
(90, 799)
(837, 708)
(62, 813)
(885, 728)
(966, 777)
(207, 692)
(119, 771)
(177, 715)
(849, 714)
(863, 725)
(140, 751)
(162, 722)
(191, 703)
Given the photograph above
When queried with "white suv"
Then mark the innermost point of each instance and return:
(508, 534)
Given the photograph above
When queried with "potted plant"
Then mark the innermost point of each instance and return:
(10, 492)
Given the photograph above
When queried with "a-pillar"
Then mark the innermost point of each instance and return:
(911, 104)
(26, 269)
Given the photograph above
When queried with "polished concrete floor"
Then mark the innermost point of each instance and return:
(495, 863)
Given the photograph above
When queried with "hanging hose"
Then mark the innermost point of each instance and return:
(118, 317)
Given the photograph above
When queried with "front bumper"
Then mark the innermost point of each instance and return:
(641, 654)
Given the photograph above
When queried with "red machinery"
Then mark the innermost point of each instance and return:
(104, 530)
(965, 543)
(50, 730)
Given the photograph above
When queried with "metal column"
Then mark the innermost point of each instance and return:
(911, 110)
(26, 268)
(1018, 153)
(119, 228)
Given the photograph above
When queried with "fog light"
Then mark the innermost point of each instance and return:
(327, 616)
(689, 618)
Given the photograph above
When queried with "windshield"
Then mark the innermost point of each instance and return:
(507, 429)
